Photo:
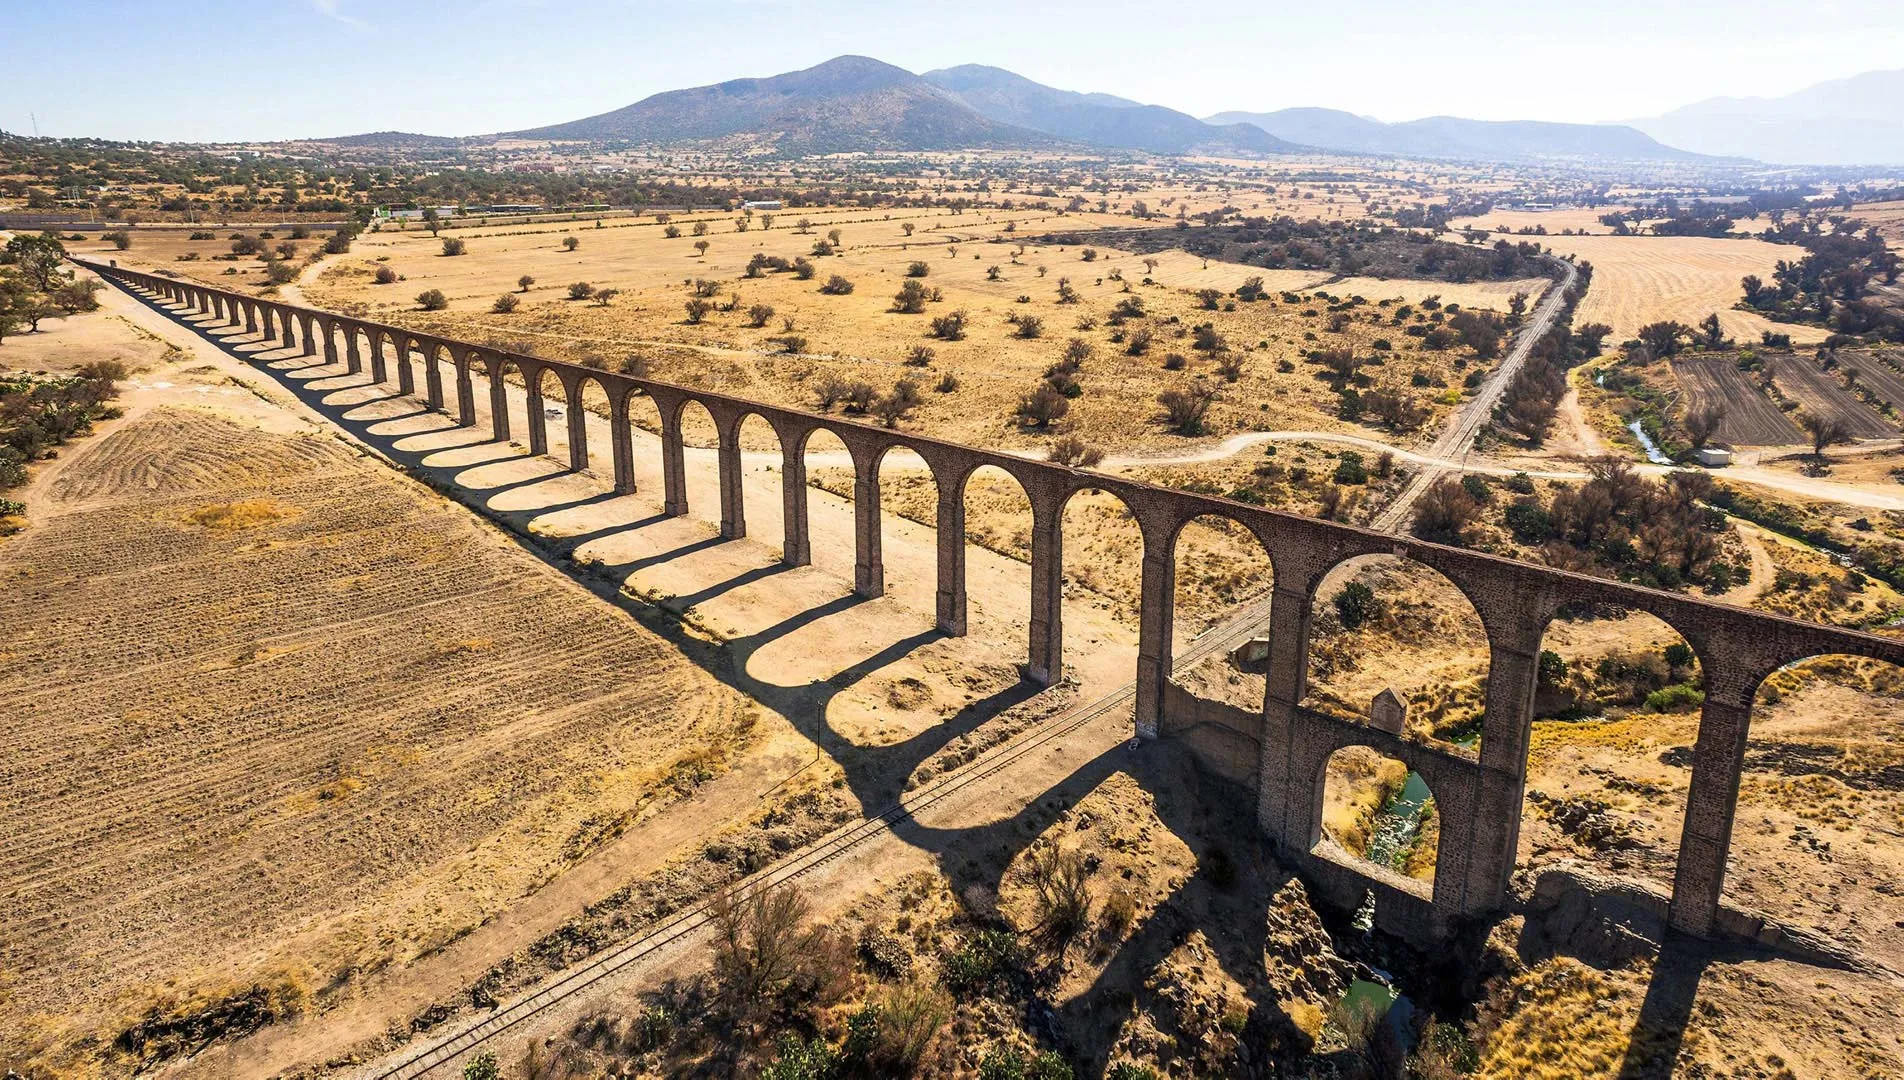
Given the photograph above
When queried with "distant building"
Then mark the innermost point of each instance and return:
(1712, 457)
(762, 204)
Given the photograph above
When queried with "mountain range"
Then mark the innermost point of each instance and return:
(857, 104)
(1854, 121)
(1453, 137)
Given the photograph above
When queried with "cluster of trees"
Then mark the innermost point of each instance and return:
(859, 397)
(1531, 401)
(1340, 247)
(1831, 285)
(38, 415)
(35, 284)
(1660, 533)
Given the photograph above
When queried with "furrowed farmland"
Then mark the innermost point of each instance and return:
(296, 718)
(1750, 417)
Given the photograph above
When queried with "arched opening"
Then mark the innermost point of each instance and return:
(1103, 588)
(1378, 813)
(1390, 631)
(546, 408)
(829, 503)
(908, 520)
(761, 465)
(998, 528)
(1219, 565)
(502, 376)
(701, 461)
(1818, 838)
(1609, 761)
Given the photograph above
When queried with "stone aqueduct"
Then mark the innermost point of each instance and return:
(1282, 752)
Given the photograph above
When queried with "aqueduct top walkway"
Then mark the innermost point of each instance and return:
(1480, 802)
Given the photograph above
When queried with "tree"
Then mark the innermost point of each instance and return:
(581, 290)
(836, 286)
(80, 294)
(949, 327)
(432, 300)
(910, 299)
(907, 227)
(505, 304)
(38, 258)
(1712, 334)
(700, 247)
(918, 269)
(120, 238)
(894, 406)
(1075, 452)
(1446, 512)
(1030, 326)
(1042, 406)
(385, 275)
(672, 232)
(432, 220)
(1703, 423)
(523, 283)
(1185, 407)
(603, 297)
(758, 315)
(1825, 431)
(1663, 338)
(570, 243)
(453, 247)
(697, 309)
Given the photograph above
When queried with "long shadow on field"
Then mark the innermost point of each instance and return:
(876, 775)
(1233, 879)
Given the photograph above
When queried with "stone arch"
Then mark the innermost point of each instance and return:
(817, 456)
(431, 349)
(575, 383)
(1816, 808)
(1616, 698)
(1380, 815)
(1003, 524)
(1434, 647)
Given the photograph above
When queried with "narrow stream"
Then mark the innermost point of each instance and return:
(1652, 452)
(1398, 824)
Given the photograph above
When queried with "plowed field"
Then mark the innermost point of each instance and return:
(274, 714)
(1751, 419)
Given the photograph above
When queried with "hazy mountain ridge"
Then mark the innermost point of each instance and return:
(1853, 121)
(1098, 119)
(1455, 137)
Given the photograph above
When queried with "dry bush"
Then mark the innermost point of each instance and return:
(1063, 902)
(1446, 512)
(1075, 452)
(227, 517)
(766, 956)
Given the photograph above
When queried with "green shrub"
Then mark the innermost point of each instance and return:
(1355, 604)
(1678, 697)
(984, 961)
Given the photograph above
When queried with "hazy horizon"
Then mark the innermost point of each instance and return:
(319, 68)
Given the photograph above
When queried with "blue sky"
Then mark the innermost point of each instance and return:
(211, 69)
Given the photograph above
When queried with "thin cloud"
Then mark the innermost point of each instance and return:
(328, 9)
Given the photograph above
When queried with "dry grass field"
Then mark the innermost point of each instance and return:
(285, 718)
(1643, 279)
(858, 337)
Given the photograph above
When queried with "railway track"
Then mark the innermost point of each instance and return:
(575, 980)
(1458, 439)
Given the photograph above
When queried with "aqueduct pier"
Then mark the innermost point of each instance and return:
(1280, 753)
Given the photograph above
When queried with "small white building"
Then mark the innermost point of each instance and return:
(763, 204)
(1712, 457)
